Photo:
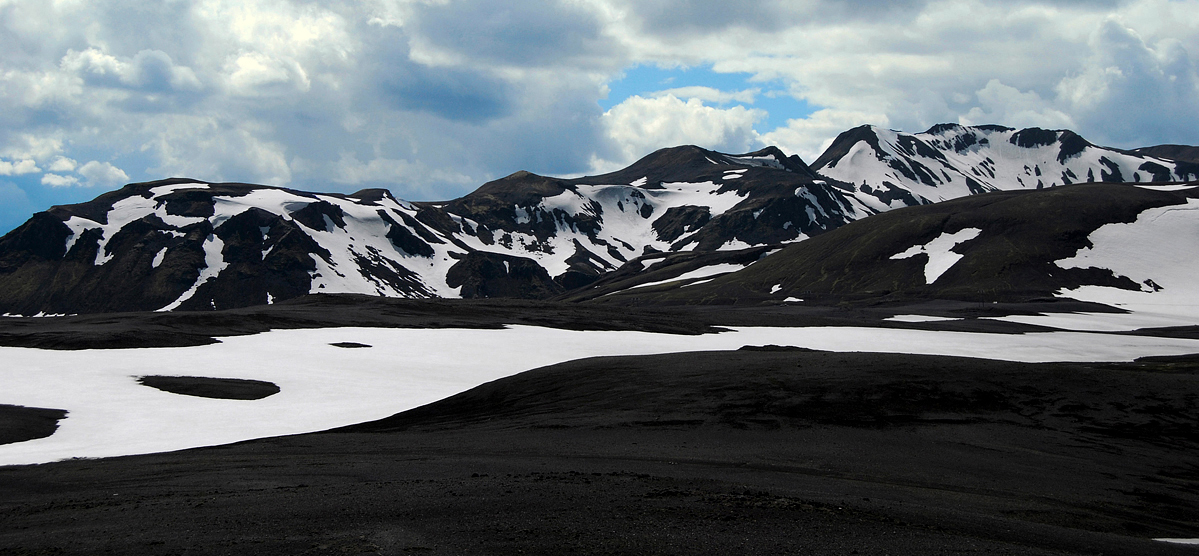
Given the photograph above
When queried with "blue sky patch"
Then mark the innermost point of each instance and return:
(645, 80)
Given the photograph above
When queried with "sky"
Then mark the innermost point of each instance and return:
(432, 98)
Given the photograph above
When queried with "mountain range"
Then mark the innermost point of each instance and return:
(682, 213)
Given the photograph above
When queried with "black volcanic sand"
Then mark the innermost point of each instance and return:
(207, 387)
(19, 423)
(757, 451)
(181, 328)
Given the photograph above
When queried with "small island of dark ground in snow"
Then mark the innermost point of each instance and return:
(208, 387)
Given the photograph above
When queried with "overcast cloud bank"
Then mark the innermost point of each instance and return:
(431, 98)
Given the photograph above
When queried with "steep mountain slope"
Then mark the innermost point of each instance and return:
(890, 169)
(185, 244)
(1010, 245)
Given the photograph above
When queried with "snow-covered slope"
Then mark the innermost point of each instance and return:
(1124, 245)
(186, 244)
(890, 169)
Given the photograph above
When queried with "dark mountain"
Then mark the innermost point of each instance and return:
(890, 169)
(185, 244)
(1008, 245)
(1178, 153)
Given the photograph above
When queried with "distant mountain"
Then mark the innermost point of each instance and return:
(1179, 153)
(1009, 245)
(185, 244)
(680, 214)
(889, 169)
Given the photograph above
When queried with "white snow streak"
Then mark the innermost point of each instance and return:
(214, 263)
(940, 252)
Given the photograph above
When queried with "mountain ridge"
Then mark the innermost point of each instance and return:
(180, 243)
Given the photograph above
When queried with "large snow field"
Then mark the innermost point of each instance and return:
(323, 386)
(1157, 251)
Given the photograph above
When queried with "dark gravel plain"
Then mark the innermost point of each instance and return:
(763, 450)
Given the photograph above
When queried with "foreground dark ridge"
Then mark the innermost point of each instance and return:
(754, 452)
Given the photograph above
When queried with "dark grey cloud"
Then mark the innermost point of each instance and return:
(529, 33)
(448, 93)
(672, 17)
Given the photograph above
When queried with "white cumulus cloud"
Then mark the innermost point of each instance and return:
(103, 173)
(17, 168)
(56, 180)
(639, 126)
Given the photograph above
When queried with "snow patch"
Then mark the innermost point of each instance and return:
(775, 288)
(165, 189)
(323, 387)
(919, 318)
(158, 258)
(1157, 252)
(734, 245)
(714, 270)
(1100, 322)
(214, 263)
(940, 252)
(1173, 187)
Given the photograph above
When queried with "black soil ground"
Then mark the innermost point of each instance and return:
(19, 423)
(187, 328)
(208, 387)
(757, 451)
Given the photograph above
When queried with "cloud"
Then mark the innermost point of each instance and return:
(639, 126)
(434, 97)
(55, 180)
(150, 70)
(1133, 91)
(17, 168)
(999, 103)
(218, 150)
(808, 137)
(62, 164)
(255, 74)
(103, 173)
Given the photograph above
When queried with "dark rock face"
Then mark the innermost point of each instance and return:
(1020, 235)
(680, 220)
(481, 274)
